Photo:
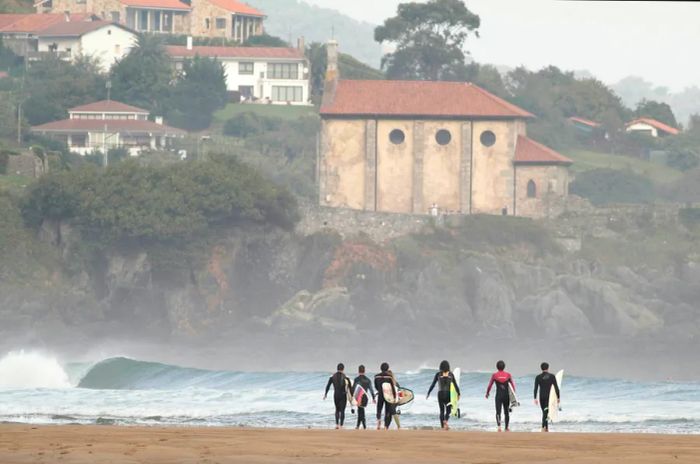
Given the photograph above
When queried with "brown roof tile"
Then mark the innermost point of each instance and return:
(418, 98)
(235, 52)
(235, 6)
(656, 124)
(35, 22)
(585, 122)
(75, 28)
(527, 151)
(107, 106)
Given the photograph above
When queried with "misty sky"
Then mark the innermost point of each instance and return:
(654, 40)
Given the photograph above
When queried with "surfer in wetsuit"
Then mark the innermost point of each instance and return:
(445, 379)
(544, 382)
(501, 378)
(385, 377)
(361, 381)
(341, 387)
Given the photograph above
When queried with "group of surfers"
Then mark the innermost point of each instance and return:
(385, 394)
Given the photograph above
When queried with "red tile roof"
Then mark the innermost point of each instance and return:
(4, 74)
(585, 122)
(35, 22)
(237, 7)
(418, 98)
(656, 124)
(180, 51)
(98, 125)
(527, 151)
(75, 28)
(158, 4)
(107, 106)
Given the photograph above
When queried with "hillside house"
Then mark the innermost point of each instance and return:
(230, 19)
(650, 127)
(107, 124)
(410, 146)
(275, 75)
(67, 37)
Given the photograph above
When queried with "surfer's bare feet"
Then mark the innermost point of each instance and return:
(499, 429)
(507, 430)
(379, 425)
(337, 427)
(447, 426)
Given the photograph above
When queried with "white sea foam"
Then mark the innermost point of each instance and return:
(25, 370)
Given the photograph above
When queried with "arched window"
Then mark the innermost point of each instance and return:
(531, 189)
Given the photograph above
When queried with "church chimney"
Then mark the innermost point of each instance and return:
(301, 44)
(332, 72)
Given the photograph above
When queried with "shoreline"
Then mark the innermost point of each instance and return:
(83, 444)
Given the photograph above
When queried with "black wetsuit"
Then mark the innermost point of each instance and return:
(444, 397)
(389, 408)
(544, 383)
(340, 384)
(363, 381)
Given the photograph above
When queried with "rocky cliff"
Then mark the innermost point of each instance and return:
(598, 283)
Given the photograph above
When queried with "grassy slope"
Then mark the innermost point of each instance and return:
(16, 6)
(587, 160)
(14, 183)
(279, 111)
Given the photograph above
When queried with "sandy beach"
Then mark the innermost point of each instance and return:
(122, 445)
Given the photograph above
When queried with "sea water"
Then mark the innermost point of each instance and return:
(37, 389)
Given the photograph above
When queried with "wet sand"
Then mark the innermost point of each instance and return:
(117, 445)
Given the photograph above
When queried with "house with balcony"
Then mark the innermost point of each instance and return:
(276, 75)
(101, 126)
(230, 19)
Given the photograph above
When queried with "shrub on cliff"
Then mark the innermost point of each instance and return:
(605, 186)
(130, 202)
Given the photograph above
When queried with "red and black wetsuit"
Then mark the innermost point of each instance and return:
(544, 382)
(501, 379)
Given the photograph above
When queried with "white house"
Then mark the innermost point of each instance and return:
(104, 41)
(107, 124)
(651, 127)
(277, 75)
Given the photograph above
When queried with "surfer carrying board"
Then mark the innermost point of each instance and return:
(503, 381)
(545, 382)
(362, 387)
(445, 380)
(387, 392)
(341, 387)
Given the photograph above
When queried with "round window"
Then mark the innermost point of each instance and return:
(397, 136)
(443, 137)
(488, 138)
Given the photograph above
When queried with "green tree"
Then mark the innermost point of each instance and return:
(53, 86)
(8, 116)
(199, 91)
(656, 110)
(485, 76)
(430, 39)
(265, 40)
(143, 77)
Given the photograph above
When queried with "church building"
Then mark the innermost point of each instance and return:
(409, 146)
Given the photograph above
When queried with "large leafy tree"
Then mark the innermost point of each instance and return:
(200, 90)
(656, 110)
(429, 39)
(53, 86)
(143, 77)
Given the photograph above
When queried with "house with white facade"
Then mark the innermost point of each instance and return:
(276, 75)
(67, 37)
(104, 41)
(651, 127)
(108, 124)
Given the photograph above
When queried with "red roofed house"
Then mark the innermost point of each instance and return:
(231, 19)
(404, 146)
(264, 74)
(651, 127)
(107, 124)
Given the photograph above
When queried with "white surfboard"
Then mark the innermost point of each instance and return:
(553, 399)
(514, 403)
